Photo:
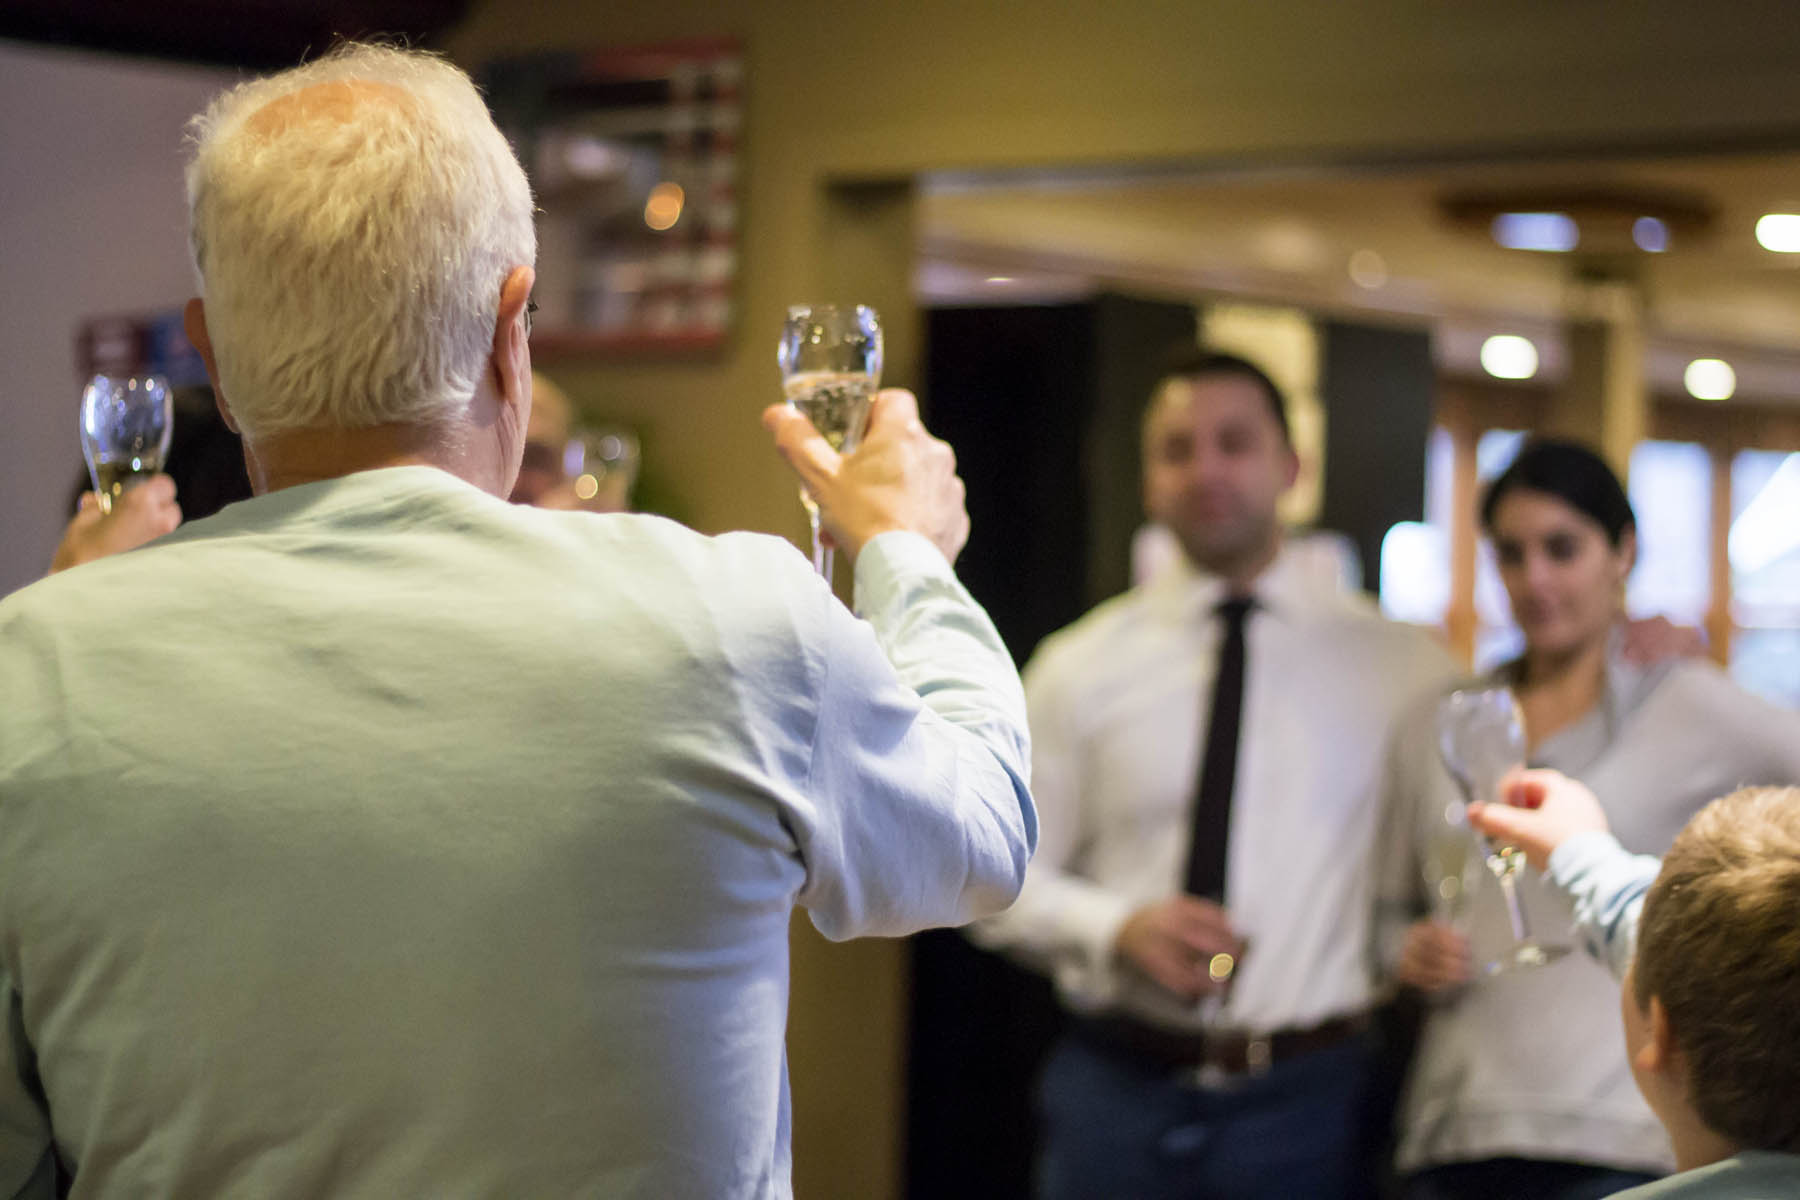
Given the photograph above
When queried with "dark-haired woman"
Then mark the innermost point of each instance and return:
(1520, 1084)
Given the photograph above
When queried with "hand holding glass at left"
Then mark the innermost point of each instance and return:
(139, 515)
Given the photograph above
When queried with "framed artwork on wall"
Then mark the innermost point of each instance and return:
(633, 156)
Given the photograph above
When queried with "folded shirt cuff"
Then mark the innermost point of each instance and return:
(887, 559)
(1581, 854)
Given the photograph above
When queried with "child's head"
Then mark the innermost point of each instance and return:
(1712, 1003)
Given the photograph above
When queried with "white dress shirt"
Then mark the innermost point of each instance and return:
(1118, 708)
(376, 837)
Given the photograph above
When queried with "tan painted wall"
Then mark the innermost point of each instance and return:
(879, 89)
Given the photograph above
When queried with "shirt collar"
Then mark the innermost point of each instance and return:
(1184, 591)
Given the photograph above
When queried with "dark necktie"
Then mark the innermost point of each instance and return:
(1218, 765)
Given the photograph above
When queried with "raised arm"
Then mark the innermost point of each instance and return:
(916, 807)
(1562, 829)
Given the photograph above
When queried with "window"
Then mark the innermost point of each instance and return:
(1671, 493)
(1764, 550)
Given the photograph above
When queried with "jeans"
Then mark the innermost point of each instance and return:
(1115, 1129)
(1510, 1178)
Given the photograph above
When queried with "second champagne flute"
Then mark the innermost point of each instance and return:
(830, 367)
(126, 421)
(1481, 736)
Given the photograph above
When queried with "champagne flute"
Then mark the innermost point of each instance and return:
(830, 367)
(126, 421)
(1481, 735)
(1449, 858)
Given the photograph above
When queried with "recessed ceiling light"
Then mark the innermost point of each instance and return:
(1368, 269)
(1548, 231)
(1650, 234)
(1509, 356)
(1779, 232)
(998, 279)
(1710, 379)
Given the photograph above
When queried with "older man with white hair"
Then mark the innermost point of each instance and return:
(376, 837)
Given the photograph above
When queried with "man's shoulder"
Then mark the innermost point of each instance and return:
(1095, 638)
(1747, 1175)
(1356, 615)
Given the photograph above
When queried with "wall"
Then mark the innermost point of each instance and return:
(95, 222)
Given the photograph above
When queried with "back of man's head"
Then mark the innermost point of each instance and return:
(352, 222)
(1719, 946)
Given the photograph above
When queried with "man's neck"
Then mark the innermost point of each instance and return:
(301, 456)
(1240, 574)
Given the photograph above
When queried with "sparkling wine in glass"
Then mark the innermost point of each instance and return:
(1481, 735)
(830, 367)
(125, 425)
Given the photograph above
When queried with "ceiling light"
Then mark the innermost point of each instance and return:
(1368, 269)
(998, 280)
(1549, 231)
(1509, 356)
(1650, 234)
(1779, 232)
(1710, 379)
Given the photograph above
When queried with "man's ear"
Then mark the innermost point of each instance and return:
(511, 359)
(193, 321)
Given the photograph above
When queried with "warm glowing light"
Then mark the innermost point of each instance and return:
(1221, 967)
(663, 208)
(1779, 232)
(1509, 356)
(1368, 269)
(998, 279)
(1549, 231)
(1650, 234)
(1710, 379)
(587, 487)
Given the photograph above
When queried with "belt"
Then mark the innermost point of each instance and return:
(1209, 1055)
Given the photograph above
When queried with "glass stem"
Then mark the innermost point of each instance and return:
(821, 552)
(1504, 863)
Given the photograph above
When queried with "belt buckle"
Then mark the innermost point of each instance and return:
(1259, 1056)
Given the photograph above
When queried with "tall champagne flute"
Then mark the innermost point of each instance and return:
(830, 367)
(1481, 735)
(1449, 860)
(126, 421)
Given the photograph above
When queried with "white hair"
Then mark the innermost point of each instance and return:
(351, 242)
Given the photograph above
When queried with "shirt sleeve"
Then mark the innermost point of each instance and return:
(1607, 884)
(1063, 924)
(27, 1169)
(917, 810)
